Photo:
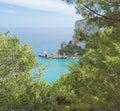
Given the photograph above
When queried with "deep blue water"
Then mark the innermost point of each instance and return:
(48, 39)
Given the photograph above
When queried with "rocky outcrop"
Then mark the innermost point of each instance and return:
(81, 28)
(80, 24)
(75, 47)
(77, 41)
(63, 45)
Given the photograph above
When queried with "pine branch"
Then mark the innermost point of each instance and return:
(103, 16)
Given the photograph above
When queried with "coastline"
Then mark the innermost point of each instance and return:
(57, 56)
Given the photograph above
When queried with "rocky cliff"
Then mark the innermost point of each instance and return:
(80, 26)
(75, 47)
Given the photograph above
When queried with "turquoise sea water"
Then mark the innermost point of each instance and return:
(48, 39)
(56, 68)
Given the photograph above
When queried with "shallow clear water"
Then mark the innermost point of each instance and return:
(56, 68)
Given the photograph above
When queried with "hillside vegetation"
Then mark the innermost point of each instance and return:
(71, 50)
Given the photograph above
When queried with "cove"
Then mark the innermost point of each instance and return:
(56, 68)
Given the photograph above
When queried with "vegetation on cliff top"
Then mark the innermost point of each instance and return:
(71, 50)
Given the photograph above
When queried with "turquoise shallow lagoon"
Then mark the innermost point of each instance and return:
(48, 39)
(56, 68)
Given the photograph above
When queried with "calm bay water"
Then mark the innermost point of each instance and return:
(48, 39)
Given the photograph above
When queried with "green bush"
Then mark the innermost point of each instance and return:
(14, 58)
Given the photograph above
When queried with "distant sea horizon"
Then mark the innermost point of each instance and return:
(48, 39)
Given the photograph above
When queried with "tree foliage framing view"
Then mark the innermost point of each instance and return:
(92, 85)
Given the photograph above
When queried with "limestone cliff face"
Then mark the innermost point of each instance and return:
(63, 45)
(88, 29)
(75, 47)
(79, 25)
(81, 28)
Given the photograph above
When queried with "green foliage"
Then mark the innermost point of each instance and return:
(14, 58)
(18, 90)
(22, 94)
(93, 85)
(95, 81)
(91, 91)
(79, 34)
(71, 50)
(102, 12)
(104, 52)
